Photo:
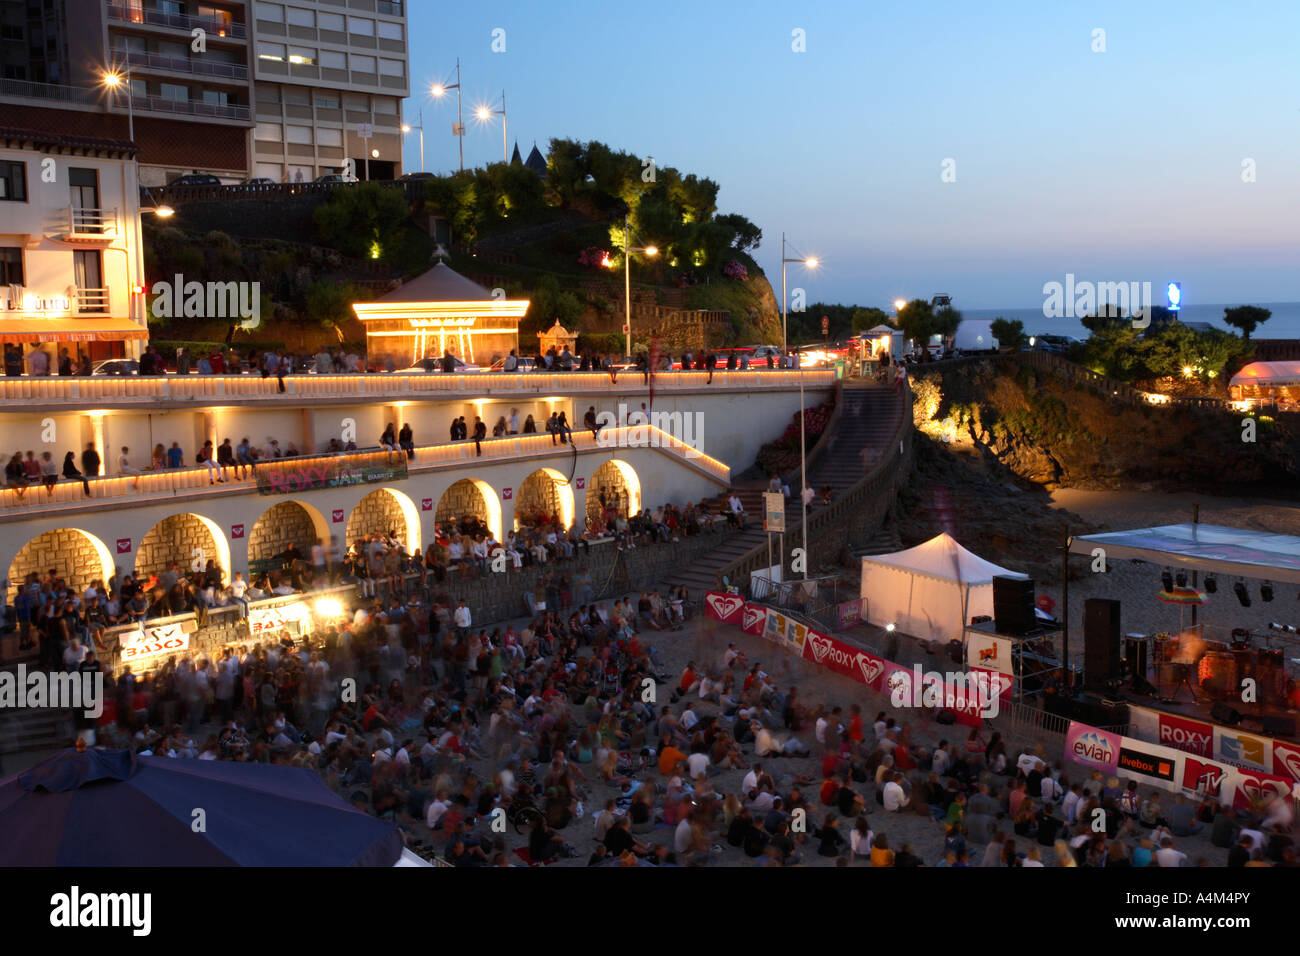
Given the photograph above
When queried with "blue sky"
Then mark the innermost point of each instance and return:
(1123, 165)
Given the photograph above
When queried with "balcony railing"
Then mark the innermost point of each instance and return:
(83, 222)
(22, 89)
(123, 13)
(126, 391)
(179, 64)
(154, 486)
(161, 104)
(92, 301)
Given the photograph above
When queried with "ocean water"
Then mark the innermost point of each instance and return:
(1284, 324)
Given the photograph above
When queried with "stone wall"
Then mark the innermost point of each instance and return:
(461, 499)
(377, 512)
(609, 479)
(69, 551)
(177, 538)
(537, 494)
(287, 521)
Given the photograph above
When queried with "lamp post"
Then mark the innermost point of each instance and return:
(484, 114)
(439, 90)
(803, 472)
(811, 263)
(628, 249)
(406, 128)
(114, 80)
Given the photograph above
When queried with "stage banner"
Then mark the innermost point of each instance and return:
(753, 619)
(1150, 764)
(1092, 747)
(1242, 749)
(988, 652)
(1003, 682)
(1190, 736)
(1286, 760)
(1251, 791)
(917, 688)
(727, 608)
(841, 658)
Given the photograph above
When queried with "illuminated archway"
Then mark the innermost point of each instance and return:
(385, 510)
(622, 489)
(189, 539)
(78, 556)
(543, 494)
(470, 497)
(283, 523)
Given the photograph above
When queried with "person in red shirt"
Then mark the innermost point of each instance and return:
(830, 764)
(829, 788)
(855, 725)
(688, 678)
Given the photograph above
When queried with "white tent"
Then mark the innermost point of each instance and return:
(929, 591)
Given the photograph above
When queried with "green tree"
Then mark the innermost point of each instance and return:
(1246, 318)
(1175, 350)
(745, 235)
(917, 320)
(330, 303)
(1010, 333)
(548, 302)
(1114, 347)
(362, 220)
(866, 319)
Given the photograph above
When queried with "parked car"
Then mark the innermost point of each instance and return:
(759, 353)
(411, 177)
(196, 179)
(1054, 343)
(526, 364)
(330, 178)
(435, 365)
(259, 181)
(117, 366)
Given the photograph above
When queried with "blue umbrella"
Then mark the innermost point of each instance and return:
(112, 808)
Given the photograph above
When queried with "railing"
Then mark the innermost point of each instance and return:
(88, 222)
(200, 389)
(155, 18)
(239, 191)
(196, 482)
(92, 300)
(1030, 721)
(1113, 388)
(156, 61)
(49, 91)
(161, 104)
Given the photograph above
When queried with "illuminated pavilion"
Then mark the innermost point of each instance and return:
(441, 311)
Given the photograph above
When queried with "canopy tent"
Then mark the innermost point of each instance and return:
(930, 591)
(1205, 547)
(1267, 375)
(112, 808)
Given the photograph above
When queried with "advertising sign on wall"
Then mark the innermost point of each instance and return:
(143, 643)
(284, 476)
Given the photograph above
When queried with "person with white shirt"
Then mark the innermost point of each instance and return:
(437, 808)
(751, 778)
(1071, 805)
(1167, 856)
(697, 765)
(940, 760)
(463, 618)
(894, 797)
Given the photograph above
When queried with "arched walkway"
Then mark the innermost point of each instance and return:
(284, 523)
(190, 540)
(76, 556)
(617, 481)
(386, 511)
(470, 497)
(543, 496)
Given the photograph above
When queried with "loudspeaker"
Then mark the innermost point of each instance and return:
(1135, 657)
(1013, 605)
(1279, 726)
(1223, 714)
(1088, 709)
(1101, 661)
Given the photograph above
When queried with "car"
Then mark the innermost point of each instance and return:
(1054, 343)
(330, 178)
(435, 365)
(259, 181)
(526, 364)
(196, 179)
(412, 177)
(118, 366)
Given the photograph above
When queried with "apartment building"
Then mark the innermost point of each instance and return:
(237, 89)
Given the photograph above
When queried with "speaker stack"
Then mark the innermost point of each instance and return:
(1013, 605)
(1101, 660)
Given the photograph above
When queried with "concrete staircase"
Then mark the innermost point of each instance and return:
(868, 421)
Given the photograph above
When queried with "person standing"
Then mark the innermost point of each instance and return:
(514, 421)
(464, 620)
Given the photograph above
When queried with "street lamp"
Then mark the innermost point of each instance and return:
(115, 80)
(628, 249)
(485, 114)
(803, 472)
(439, 90)
(811, 263)
(406, 128)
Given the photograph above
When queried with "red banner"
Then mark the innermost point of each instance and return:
(727, 608)
(1286, 760)
(843, 659)
(1252, 789)
(1189, 736)
(753, 619)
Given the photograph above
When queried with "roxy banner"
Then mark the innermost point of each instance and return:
(283, 476)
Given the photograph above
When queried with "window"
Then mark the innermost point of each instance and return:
(89, 277)
(126, 44)
(299, 174)
(171, 8)
(391, 67)
(298, 134)
(271, 51)
(267, 133)
(330, 21)
(270, 12)
(362, 64)
(177, 51)
(327, 101)
(297, 96)
(386, 105)
(332, 60)
(302, 56)
(389, 30)
(174, 92)
(357, 102)
(13, 182)
(301, 18)
(216, 97)
(329, 137)
(273, 171)
(11, 266)
(361, 27)
(215, 15)
(139, 87)
(268, 94)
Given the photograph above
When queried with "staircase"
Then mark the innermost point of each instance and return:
(866, 425)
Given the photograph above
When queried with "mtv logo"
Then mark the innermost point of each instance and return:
(582, 483)
(507, 493)
(123, 545)
(426, 504)
(338, 515)
(236, 530)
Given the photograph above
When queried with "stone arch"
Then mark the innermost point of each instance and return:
(78, 556)
(185, 538)
(470, 496)
(385, 510)
(544, 492)
(620, 482)
(285, 522)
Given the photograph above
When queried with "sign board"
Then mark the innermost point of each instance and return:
(426, 504)
(507, 493)
(265, 621)
(142, 643)
(236, 530)
(581, 483)
(774, 512)
(292, 476)
(850, 614)
(365, 130)
(826, 324)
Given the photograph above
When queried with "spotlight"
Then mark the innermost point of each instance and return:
(1266, 592)
(1181, 579)
(890, 627)
(1211, 585)
(1167, 579)
(1243, 595)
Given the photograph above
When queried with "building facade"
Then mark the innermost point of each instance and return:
(70, 250)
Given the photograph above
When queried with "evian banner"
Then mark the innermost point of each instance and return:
(1092, 748)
